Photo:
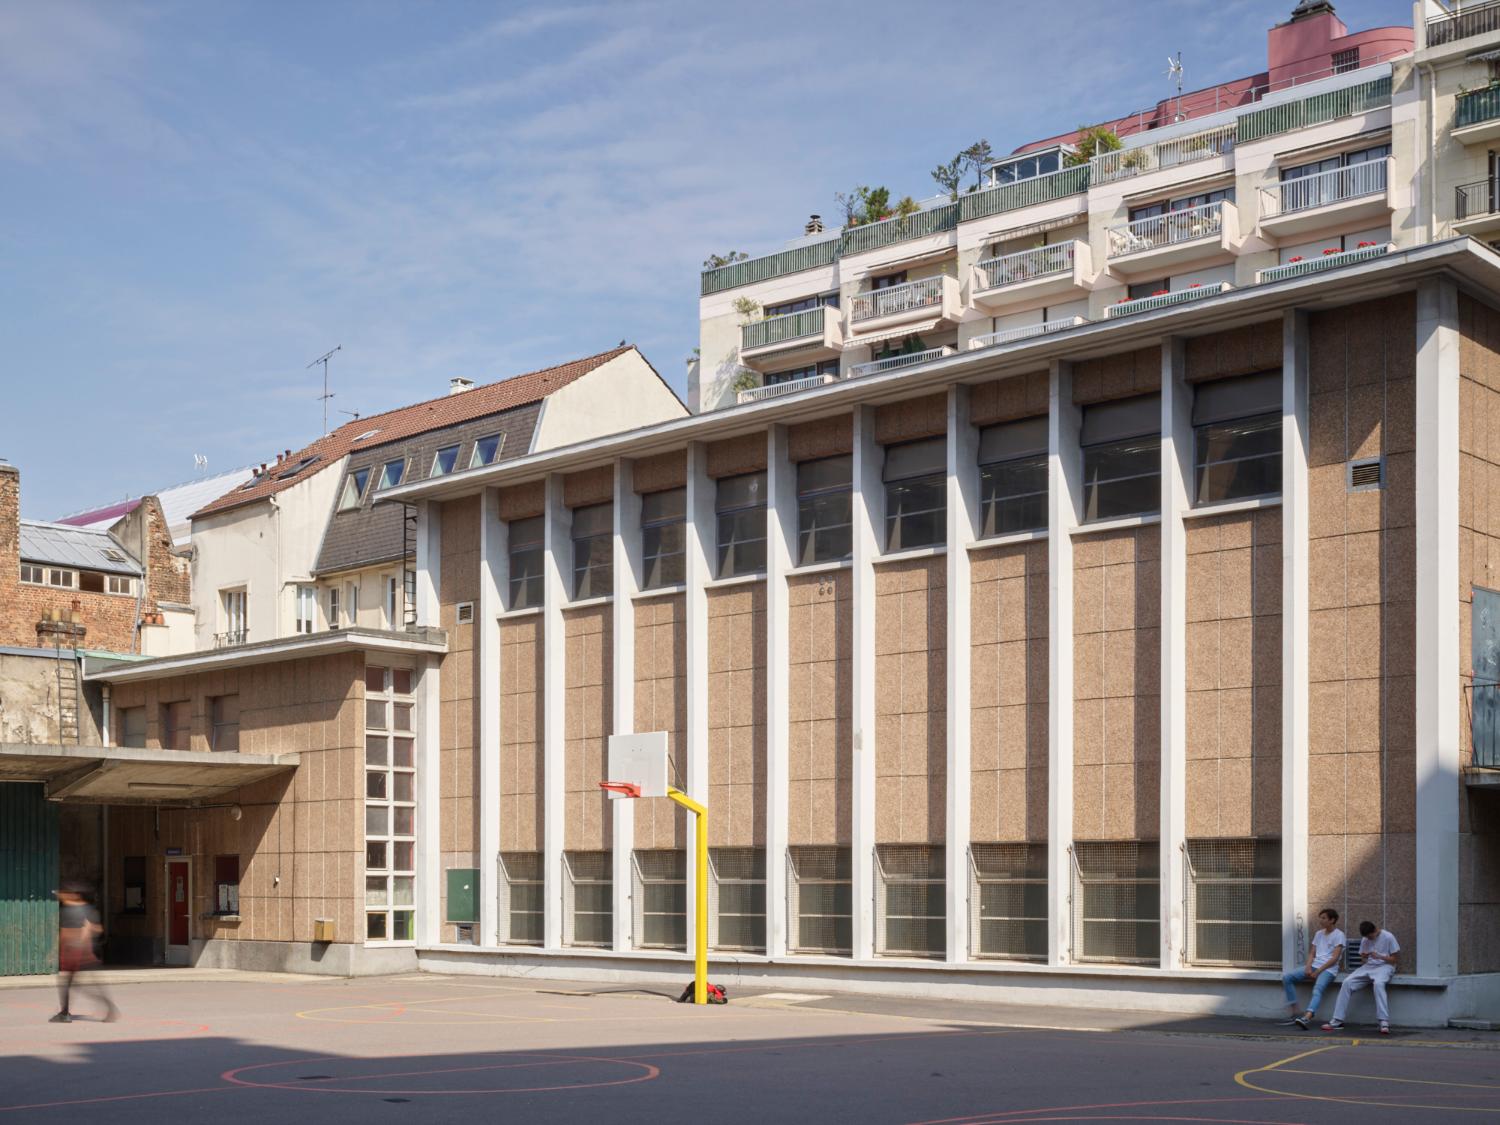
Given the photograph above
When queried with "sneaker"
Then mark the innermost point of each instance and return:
(1385, 1028)
(61, 1017)
(1289, 1022)
(1334, 1025)
(1302, 1021)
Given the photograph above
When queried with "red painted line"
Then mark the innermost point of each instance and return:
(648, 1073)
(116, 1098)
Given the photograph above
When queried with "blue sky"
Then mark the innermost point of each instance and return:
(199, 198)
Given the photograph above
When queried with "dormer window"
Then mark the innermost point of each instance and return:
(392, 473)
(486, 449)
(354, 488)
(443, 462)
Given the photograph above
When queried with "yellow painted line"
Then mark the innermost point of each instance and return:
(1242, 1079)
(1387, 1078)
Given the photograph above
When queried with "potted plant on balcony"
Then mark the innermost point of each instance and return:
(748, 309)
(745, 380)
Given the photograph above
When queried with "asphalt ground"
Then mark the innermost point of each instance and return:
(437, 1048)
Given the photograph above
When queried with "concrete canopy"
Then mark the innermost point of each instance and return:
(117, 775)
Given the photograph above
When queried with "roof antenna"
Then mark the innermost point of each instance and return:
(352, 413)
(1174, 70)
(326, 395)
(200, 462)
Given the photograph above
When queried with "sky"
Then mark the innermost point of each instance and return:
(200, 198)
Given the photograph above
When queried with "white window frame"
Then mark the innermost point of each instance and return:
(119, 584)
(382, 735)
(390, 601)
(434, 471)
(474, 459)
(305, 608)
(357, 480)
(385, 472)
(33, 575)
(334, 609)
(234, 611)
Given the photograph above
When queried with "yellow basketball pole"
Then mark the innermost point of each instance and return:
(700, 935)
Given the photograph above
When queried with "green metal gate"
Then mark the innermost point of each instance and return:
(28, 875)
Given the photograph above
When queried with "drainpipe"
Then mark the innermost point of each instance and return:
(1431, 151)
(104, 719)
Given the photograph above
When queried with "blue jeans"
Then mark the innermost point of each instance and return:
(1290, 981)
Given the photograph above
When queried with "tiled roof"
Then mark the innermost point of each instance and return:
(59, 545)
(403, 422)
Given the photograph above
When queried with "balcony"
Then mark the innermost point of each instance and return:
(231, 638)
(1032, 275)
(1325, 199)
(897, 362)
(917, 306)
(1127, 162)
(1477, 119)
(1478, 19)
(1154, 247)
(1025, 332)
(1166, 300)
(790, 387)
(809, 334)
(1323, 262)
(1476, 207)
(1315, 109)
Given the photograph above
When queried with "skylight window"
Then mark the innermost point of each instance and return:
(443, 463)
(486, 449)
(368, 434)
(392, 473)
(287, 474)
(354, 488)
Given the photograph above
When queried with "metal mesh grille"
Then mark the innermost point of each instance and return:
(1117, 902)
(659, 903)
(588, 899)
(1233, 907)
(737, 899)
(820, 900)
(520, 887)
(1008, 901)
(910, 906)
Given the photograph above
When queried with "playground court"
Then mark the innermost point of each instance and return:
(429, 1047)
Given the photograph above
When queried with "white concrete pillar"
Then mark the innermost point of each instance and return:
(493, 574)
(1438, 657)
(1176, 473)
(627, 583)
(699, 540)
(1064, 496)
(781, 541)
(868, 512)
(963, 518)
(1294, 635)
(429, 853)
(558, 525)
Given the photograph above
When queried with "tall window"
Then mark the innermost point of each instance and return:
(133, 727)
(1013, 477)
(391, 603)
(527, 561)
(588, 899)
(820, 900)
(663, 538)
(307, 608)
(737, 899)
(1237, 437)
(177, 725)
(390, 805)
(391, 473)
(593, 550)
(444, 460)
(523, 907)
(916, 494)
(486, 449)
(224, 723)
(660, 899)
(354, 488)
(1122, 457)
(740, 507)
(351, 604)
(825, 492)
(226, 884)
(233, 608)
(334, 620)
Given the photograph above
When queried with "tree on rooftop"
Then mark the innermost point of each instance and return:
(950, 175)
(714, 261)
(977, 156)
(1092, 140)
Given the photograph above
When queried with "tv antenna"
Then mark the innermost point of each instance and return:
(352, 413)
(1174, 70)
(200, 462)
(326, 395)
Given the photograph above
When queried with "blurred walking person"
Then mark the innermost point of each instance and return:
(79, 935)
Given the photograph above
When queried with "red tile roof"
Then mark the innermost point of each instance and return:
(405, 421)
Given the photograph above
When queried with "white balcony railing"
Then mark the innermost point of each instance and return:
(896, 362)
(1011, 335)
(1186, 225)
(1324, 188)
(924, 294)
(1320, 262)
(1166, 300)
(790, 387)
(1126, 162)
(1026, 265)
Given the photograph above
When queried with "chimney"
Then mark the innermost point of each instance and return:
(814, 225)
(10, 523)
(458, 385)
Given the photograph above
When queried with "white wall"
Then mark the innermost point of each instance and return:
(623, 394)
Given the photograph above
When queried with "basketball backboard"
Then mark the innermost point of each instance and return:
(640, 759)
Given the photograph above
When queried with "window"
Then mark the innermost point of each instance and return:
(527, 562)
(1346, 60)
(910, 907)
(224, 715)
(32, 573)
(522, 899)
(390, 805)
(391, 474)
(1122, 457)
(740, 506)
(588, 899)
(91, 581)
(47, 576)
(119, 584)
(1234, 902)
(819, 915)
(307, 608)
(1139, 289)
(1029, 166)
(1237, 437)
(354, 488)
(885, 281)
(1117, 902)
(663, 538)
(824, 516)
(391, 604)
(486, 449)
(133, 727)
(133, 884)
(916, 494)
(1318, 182)
(737, 899)
(1009, 893)
(1013, 477)
(226, 884)
(593, 550)
(177, 725)
(660, 899)
(444, 460)
(233, 607)
(291, 471)
(826, 367)
(333, 608)
(831, 300)
(351, 604)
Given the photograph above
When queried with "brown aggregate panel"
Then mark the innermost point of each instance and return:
(912, 419)
(1117, 685)
(820, 739)
(458, 710)
(736, 455)
(1235, 351)
(523, 501)
(661, 704)
(1117, 376)
(660, 471)
(522, 750)
(588, 719)
(736, 716)
(1008, 677)
(1362, 768)
(589, 486)
(1233, 675)
(1004, 400)
(824, 437)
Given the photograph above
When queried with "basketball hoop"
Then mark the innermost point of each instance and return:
(623, 788)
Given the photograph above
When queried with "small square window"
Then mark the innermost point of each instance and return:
(374, 678)
(443, 462)
(401, 681)
(486, 449)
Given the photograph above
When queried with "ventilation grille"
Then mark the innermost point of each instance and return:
(522, 899)
(1366, 474)
(1117, 903)
(737, 899)
(910, 901)
(1233, 907)
(659, 899)
(819, 900)
(1008, 901)
(588, 899)
(465, 613)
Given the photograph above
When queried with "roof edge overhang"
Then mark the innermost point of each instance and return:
(121, 775)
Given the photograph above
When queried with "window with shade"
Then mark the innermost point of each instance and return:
(825, 490)
(1122, 457)
(663, 538)
(594, 550)
(740, 508)
(133, 727)
(916, 494)
(1013, 477)
(224, 723)
(177, 725)
(1237, 438)
(528, 557)
(390, 804)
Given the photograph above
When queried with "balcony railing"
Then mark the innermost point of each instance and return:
(924, 294)
(230, 638)
(1187, 225)
(782, 329)
(1321, 262)
(1011, 335)
(1024, 193)
(872, 236)
(1474, 200)
(1026, 265)
(1317, 109)
(896, 362)
(1324, 188)
(1166, 300)
(1126, 162)
(1478, 106)
(1468, 21)
(798, 258)
(790, 387)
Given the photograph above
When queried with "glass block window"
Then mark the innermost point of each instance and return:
(390, 805)
(916, 494)
(820, 900)
(910, 907)
(1237, 438)
(588, 899)
(1008, 893)
(737, 899)
(1234, 902)
(740, 508)
(660, 899)
(1117, 902)
(663, 538)
(522, 899)
(1013, 477)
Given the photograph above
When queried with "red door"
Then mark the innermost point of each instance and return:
(177, 902)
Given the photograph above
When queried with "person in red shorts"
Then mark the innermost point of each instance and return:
(79, 930)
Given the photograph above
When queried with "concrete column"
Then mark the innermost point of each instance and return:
(781, 541)
(429, 853)
(627, 583)
(1176, 472)
(493, 574)
(559, 564)
(1294, 636)
(868, 511)
(1438, 657)
(699, 539)
(1064, 497)
(963, 518)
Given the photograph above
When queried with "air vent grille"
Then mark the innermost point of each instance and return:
(1366, 474)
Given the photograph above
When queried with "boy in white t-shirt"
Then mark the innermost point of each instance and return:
(1324, 956)
(1379, 953)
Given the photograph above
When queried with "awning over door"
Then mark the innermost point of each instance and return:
(118, 775)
